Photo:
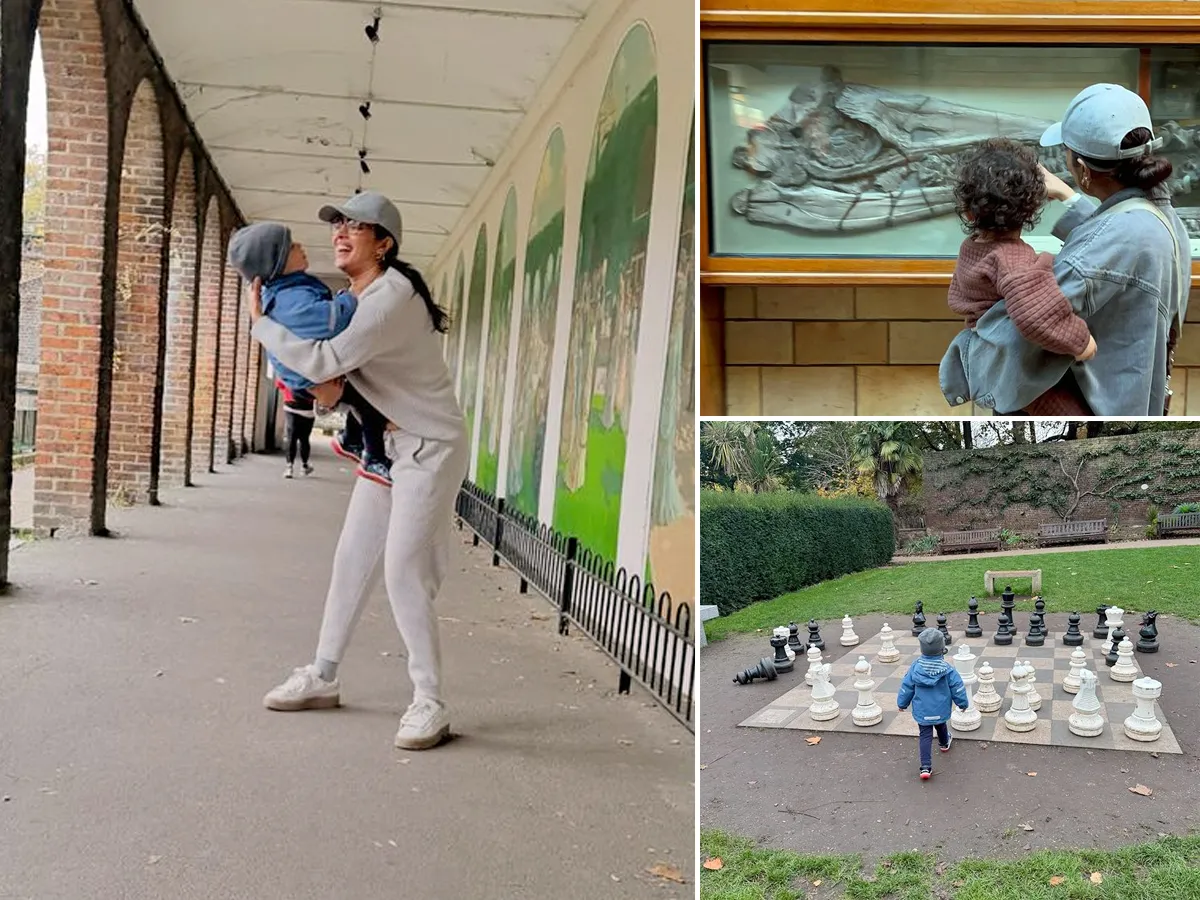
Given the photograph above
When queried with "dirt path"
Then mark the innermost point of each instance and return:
(860, 794)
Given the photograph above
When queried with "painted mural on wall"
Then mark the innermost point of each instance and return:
(673, 510)
(504, 278)
(608, 299)
(474, 336)
(456, 325)
(539, 304)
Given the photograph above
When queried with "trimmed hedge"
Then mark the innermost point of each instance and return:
(760, 546)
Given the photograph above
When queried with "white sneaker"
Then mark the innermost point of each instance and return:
(426, 724)
(288, 472)
(305, 689)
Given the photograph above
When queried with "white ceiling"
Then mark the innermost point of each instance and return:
(274, 88)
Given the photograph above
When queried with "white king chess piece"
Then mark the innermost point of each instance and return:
(867, 712)
(986, 699)
(814, 660)
(1020, 717)
(1078, 663)
(1113, 620)
(887, 645)
(782, 631)
(1142, 725)
(970, 718)
(849, 638)
(1125, 668)
(824, 705)
(1086, 721)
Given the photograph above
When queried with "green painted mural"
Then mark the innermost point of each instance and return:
(673, 509)
(456, 309)
(474, 336)
(539, 306)
(504, 279)
(609, 279)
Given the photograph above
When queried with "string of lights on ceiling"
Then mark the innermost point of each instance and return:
(364, 108)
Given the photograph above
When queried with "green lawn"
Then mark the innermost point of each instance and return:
(1166, 869)
(1161, 578)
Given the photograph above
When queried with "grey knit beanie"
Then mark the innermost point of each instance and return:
(932, 642)
(260, 250)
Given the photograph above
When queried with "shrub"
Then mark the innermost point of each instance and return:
(760, 546)
(926, 544)
(1187, 508)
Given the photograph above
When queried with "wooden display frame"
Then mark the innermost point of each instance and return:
(1107, 22)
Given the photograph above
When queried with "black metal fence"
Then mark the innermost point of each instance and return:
(649, 636)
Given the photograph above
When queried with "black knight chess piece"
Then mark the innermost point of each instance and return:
(973, 628)
(796, 645)
(918, 620)
(941, 624)
(764, 669)
(1036, 636)
(1073, 637)
(1003, 634)
(1008, 600)
(1148, 634)
(814, 635)
(782, 663)
(1118, 635)
(1100, 632)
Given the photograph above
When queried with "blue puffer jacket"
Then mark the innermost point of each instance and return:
(929, 685)
(307, 308)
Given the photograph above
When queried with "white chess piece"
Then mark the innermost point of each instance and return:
(1086, 721)
(887, 645)
(1113, 621)
(1078, 664)
(824, 705)
(1020, 717)
(970, 718)
(867, 712)
(1035, 699)
(849, 638)
(782, 631)
(1143, 725)
(1125, 668)
(814, 660)
(986, 699)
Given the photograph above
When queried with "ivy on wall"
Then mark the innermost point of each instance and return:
(1062, 477)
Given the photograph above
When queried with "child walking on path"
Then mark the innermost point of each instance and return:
(930, 685)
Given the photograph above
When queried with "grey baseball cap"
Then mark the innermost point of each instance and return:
(932, 642)
(370, 207)
(1097, 121)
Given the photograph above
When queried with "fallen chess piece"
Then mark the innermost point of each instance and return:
(764, 669)
(1143, 725)
(1086, 721)
(849, 638)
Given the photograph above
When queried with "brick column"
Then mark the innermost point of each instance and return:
(208, 311)
(228, 374)
(76, 184)
(250, 400)
(135, 358)
(177, 364)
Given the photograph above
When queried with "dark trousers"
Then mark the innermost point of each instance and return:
(943, 733)
(365, 427)
(297, 430)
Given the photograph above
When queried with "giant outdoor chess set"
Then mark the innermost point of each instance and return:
(1098, 723)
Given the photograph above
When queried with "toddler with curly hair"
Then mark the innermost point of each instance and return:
(1000, 192)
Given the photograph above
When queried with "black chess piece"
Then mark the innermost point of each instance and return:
(1100, 632)
(973, 627)
(941, 625)
(1073, 637)
(1118, 635)
(1040, 605)
(918, 620)
(764, 669)
(1036, 636)
(1004, 634)
(814, 635)
(782, 663)
(1148, 635)
(796, 645)
(1008, 600)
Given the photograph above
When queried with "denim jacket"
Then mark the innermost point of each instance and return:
(307, 308)
(1118, 272)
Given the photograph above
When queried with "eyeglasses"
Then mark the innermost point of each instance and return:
(352, 226)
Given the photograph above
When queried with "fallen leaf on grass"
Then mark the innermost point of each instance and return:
(1172, 665)
(1031, 774)
(667, 873)
(714, 863)
(1096, 878)
(812, 741)
(817, 883)
(940, 869)
(1141, 789)
(1057, 879)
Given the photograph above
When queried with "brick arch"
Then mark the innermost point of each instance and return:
(229, 371)
(177, 346)
(77, 104)
(208, 311)
(139, 265)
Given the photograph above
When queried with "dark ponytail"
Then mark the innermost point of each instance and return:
(392, 260)
(1143, 172)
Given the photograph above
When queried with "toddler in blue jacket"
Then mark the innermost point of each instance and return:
(305, 306)
(929, 685)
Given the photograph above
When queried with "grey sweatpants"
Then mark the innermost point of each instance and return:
(408, 527)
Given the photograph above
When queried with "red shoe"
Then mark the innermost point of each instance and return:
(376, 472)
(926, 773)
(344, 451)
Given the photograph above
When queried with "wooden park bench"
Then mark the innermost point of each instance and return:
(990, 578)
(984, 539)
(1178, 523)
(1085, 531)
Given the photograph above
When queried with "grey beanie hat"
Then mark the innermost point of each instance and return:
(260, 250)
(932, 642)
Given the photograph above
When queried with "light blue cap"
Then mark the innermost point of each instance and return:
(1097, 121)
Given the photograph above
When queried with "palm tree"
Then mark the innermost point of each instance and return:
(888, 453)
(763, 465)
(741, 456)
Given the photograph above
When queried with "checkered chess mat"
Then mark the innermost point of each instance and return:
(1051, 662)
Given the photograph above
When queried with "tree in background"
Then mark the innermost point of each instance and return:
(34, 200)
(890, 454)
(740, 456)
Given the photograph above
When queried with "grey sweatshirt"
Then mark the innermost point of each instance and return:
(389, 352)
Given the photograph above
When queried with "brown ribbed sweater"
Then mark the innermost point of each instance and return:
(1013, 271)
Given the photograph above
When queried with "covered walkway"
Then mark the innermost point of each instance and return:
(144, 766)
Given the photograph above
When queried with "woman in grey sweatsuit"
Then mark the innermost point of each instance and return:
(392, 353)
